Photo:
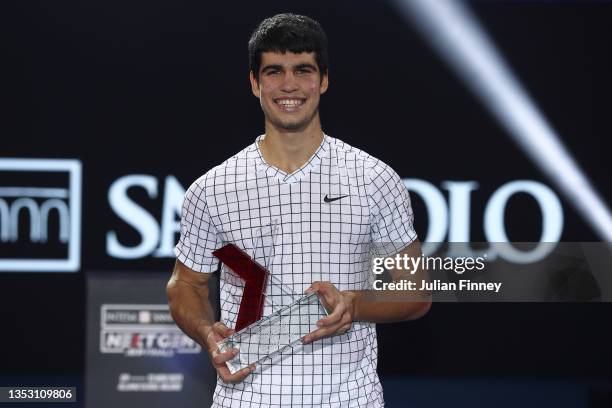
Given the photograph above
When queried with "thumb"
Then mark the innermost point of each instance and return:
(314, 287)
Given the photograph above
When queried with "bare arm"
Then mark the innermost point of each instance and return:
(395, 305)
(188, 299)
(187, 292)
(372, 306)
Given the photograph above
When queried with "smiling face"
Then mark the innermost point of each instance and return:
(289, 89)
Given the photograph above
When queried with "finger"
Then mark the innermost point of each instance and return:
(318, 334)
(212, 342)
(222, 330)
(328, 294)
(314, 287)
(341, 326)
(336, 315)
(345, 328)
(222, 358)
(330, 297)
(238, 376)
(331, 320)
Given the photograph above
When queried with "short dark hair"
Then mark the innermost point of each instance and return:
(288, 32)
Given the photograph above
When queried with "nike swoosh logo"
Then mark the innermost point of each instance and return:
(329, 200)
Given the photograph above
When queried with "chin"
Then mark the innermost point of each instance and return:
(294, 127)
(291, 126)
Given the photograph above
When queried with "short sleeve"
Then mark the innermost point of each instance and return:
(199, 237)
(391, 215)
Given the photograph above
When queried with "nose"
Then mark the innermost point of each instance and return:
(289, 82)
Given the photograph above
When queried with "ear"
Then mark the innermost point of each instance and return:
(254, 84)
(324, 82)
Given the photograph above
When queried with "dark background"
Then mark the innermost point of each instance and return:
(161, 88)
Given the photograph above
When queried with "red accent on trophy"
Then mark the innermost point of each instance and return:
(255, 279)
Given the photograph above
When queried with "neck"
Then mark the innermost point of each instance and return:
(289, 150)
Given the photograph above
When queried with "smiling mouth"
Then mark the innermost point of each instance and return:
(289, 104)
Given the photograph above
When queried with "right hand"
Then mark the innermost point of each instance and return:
(213, 335)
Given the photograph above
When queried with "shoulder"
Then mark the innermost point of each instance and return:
(215, 179)
(354, 158)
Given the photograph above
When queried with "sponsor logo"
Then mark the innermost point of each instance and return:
(156, 238)
(451, 220)
(40, 215)
(142, 330)
(448, 219)
(151, 382)
(329, 199)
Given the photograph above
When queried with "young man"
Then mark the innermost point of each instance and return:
(331, 203)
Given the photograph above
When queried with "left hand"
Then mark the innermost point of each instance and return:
(341, 308)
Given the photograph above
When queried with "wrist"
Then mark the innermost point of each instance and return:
(352, 303)
(202, 330)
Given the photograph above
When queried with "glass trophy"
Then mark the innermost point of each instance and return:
(268, 336)
(293, 316)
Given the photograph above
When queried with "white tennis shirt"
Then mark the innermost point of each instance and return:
(326, 217)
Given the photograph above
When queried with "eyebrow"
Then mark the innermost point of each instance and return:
(280, 67)
(306, 65)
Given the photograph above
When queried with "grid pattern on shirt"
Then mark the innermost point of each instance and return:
(314, 240)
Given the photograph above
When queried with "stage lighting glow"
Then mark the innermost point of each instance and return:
(458, 38)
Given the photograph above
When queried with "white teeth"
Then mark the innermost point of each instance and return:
(289, 102)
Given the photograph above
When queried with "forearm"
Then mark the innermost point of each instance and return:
(381, 306)
(388, 306)
(190, 308)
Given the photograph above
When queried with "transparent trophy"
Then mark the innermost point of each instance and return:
(293, 316)
(268, 336)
